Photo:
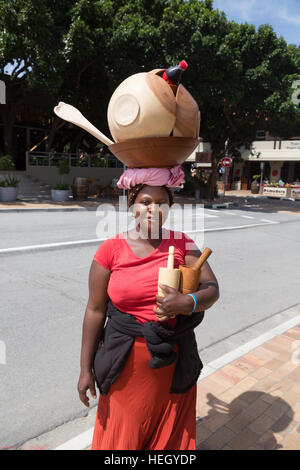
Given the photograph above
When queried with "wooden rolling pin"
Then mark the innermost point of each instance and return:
(169, 276)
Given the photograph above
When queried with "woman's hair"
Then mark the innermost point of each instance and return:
(133, 192)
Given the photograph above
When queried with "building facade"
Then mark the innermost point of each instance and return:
(276, 159)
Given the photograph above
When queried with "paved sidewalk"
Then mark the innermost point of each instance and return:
(232, 199)
(253, 403)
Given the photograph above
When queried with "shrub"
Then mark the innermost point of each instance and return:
(10, 181)
(60, 186)
(6, 163)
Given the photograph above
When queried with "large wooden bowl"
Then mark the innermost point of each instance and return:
(158, 152)
(143, 105)
(187, 114)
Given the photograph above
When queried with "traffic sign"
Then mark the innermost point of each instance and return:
(226, 161)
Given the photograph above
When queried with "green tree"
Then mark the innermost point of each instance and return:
(31, 39)
(78, 51)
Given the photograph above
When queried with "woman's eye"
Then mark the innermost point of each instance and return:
(158, 203)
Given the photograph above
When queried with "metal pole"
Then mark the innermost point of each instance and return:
(124, 190)
(262, 164)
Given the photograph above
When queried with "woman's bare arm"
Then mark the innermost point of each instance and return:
(93, 324)
(208, 290)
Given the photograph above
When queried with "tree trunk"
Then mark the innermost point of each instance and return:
(56, 125)
(8, 119)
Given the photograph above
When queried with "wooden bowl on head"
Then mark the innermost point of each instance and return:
(158, 152)
(187, 122)
(143, 105)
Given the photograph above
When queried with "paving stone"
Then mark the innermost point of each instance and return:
(264, 385)
(240, 422)
(295, 375)
(284, 425)
(261, 373)
(218, 439)
(262, 424)
(231, 394)
(243, 440)
(202, 433)
(267, 442)
(274, 364)
(291, 397)
(292, 441)
(296, 388)
(257, 408)
(216, 421)
(277, 409)
(264, 354)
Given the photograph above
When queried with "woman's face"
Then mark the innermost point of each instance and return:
(151, 208)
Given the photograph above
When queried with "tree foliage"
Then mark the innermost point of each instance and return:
(78, 51)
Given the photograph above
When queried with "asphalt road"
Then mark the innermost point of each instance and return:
(256, 259)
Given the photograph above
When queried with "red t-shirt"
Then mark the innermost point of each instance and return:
(133, 281)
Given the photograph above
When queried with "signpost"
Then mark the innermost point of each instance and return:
(205, 160)
(2, 93)
(225, 163)
(262, 165)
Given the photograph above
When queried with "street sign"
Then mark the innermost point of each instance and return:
(226, 161)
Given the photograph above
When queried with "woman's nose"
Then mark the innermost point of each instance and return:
(154, 208)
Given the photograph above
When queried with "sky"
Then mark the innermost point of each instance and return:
(282, 15)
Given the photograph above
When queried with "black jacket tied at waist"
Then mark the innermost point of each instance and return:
(118, 338)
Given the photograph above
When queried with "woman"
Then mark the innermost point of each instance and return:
(140, 405)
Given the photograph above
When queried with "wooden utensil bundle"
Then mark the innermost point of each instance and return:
(185, 279)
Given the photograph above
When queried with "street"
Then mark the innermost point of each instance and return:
(256, 259)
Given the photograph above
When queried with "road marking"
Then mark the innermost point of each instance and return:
(49, 245)
(231, 228)
(80, 442)
(221, 212)
(84, 440)
(247, 216)
(97, 240)
(215, 211)
(269, 221)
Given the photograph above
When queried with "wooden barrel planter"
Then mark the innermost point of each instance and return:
(80, 188)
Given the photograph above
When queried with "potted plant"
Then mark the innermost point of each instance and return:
(60, 191)
(255, 184)
(6, 163)
(9, 189)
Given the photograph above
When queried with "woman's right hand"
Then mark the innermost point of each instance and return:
(86, 382)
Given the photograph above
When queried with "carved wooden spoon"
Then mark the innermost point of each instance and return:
(69, 113)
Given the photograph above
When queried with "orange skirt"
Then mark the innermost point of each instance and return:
(139, 412)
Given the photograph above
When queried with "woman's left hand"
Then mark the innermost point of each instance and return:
(173, 304)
